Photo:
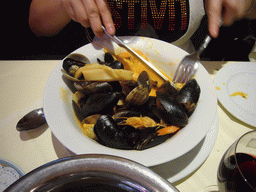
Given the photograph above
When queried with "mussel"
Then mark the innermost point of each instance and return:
(72, 63)
(144, 80)
(116, 65)
(168, 89)
(188, 96)
(108, 58)
(169, 110)
(140, 94)
(102, 103)
(89, 88)
(111, 62)
(110, 134)
(149, 138)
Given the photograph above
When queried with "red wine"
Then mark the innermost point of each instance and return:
(229, 177)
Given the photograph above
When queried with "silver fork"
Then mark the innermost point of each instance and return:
(189, 64)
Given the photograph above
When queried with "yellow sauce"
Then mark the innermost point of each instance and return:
(217, 88)
(239, 93)
(131, 63)
(64, 94)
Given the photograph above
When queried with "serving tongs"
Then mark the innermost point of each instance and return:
(121, 43)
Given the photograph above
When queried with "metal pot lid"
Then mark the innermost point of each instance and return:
(92, 172)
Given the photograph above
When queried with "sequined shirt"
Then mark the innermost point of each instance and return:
(169, 20)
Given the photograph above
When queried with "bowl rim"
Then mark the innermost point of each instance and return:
(87, 163)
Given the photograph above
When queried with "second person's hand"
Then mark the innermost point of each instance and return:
(227, 10)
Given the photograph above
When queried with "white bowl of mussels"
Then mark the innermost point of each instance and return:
(101, 100)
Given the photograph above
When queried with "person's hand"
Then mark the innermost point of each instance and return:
(91, 13)
(226, 10)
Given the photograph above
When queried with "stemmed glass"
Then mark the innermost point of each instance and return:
(237, 168)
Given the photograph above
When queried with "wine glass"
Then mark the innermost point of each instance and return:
(237, 168)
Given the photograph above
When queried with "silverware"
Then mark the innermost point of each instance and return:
(32, 120)
(122, 44)
(189, 64)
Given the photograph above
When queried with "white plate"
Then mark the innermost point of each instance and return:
(9, 173)
(233, 78)
(62, 122)
(180, 168)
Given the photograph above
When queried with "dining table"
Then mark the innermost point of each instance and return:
(22, 89)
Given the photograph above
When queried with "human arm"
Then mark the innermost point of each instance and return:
(228, 11)
(48, 17)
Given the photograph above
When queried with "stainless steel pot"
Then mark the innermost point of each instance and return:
(92, 172)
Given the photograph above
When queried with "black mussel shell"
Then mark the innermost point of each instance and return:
(89, 88)
(108, 58)
(100, 62)
(145, 136)
(148, 138)
(128, 86)
(116, 86)
(102, 103)
(151, 101)
(126, 113)
(145, 80)
(168, 89)
(145, 109)
(110, 134)
(171, 112)
(78, 111)
(69, 62)
(131, 132)
(189, 95)
(154, 141)
(116, 65)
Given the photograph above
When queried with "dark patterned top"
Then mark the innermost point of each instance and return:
(162, 19)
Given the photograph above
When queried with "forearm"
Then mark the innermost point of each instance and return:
(251, 14)
(47, 17)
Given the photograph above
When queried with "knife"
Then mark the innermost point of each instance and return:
(121, 43)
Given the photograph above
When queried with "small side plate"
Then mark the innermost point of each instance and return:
(236, 90)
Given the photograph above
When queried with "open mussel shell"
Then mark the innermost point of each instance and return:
(72, 63)
(145, 80)
(168, 89)
(188, 96)
(69, 77)
(78, 57)
(138, 96)
(149, 138)
(170, 111)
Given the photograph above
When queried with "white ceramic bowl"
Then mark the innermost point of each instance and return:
(62, 122)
